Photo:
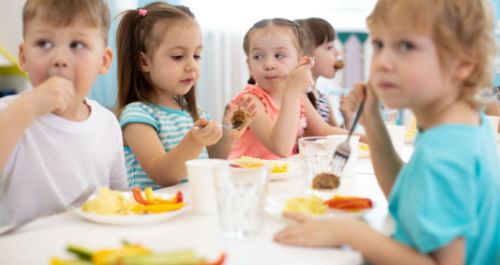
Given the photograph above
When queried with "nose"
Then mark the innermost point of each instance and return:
(383, 61)
(269, 64)
(191, 65)
(59, 60)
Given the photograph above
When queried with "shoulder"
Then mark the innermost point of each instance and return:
(7, 100)
(138, 112)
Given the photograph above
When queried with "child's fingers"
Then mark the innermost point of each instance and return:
(298, 217)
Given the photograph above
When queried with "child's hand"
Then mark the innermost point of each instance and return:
(308, 232)
(349, 104)
(300, 78)
(206, 133)
(53, 95)
(245, 104)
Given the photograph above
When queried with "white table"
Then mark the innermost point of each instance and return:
(47, 237)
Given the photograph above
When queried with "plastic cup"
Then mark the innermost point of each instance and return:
(201, 184)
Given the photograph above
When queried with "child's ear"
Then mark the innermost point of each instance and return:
(22, 58)
(464, 69)
(143, 63)
(107, 59)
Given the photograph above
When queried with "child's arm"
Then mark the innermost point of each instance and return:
(223, 147)
(52, 95)
(279, 137)
(375, 247)
(168, 168)
(385, 160)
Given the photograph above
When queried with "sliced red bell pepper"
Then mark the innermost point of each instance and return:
(179, 197)
(219, 261)
(138, 196)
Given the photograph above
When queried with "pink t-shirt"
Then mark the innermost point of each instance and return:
(249, 144)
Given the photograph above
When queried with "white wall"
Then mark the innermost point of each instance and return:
(11, 24)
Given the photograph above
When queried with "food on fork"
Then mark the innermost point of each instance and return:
(239, 118)
(326, 181)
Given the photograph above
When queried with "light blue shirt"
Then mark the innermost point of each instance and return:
(450, 188)
(170, 125)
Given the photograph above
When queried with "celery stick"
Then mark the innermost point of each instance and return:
(181, 257)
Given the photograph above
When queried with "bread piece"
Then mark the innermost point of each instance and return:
(339, 65)
(239, 118)
(326, 181)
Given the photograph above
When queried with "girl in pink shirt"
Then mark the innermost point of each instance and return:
(274, 48)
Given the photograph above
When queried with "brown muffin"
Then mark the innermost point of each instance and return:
(239, 118)
(339, 65)
(326, 181)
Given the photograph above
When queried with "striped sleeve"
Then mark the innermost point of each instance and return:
(139, 113)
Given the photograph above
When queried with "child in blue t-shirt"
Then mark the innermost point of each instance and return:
(159, 53)
(434, 57)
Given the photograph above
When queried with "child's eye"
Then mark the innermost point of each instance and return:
(197, 57)
(77, 45)
(279, 56)
(44, 44)
(177, 57)
(377, 45)
(258, 57)
(406, 46)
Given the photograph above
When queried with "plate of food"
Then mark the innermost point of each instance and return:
(131, 208)
(317, 206)
(363, 151)
(278, 169)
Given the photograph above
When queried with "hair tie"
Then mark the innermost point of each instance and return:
(142, 12)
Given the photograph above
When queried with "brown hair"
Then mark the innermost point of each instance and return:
(135, 36)
(299, 40)
(459, 28)
(318, 32)
(63, 13)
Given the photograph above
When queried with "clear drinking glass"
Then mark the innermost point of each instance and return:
(241, 194)
(317, 154)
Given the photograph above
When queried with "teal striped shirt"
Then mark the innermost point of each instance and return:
(170, 125)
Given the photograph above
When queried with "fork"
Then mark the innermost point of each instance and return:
(79, 200)
(343, 150)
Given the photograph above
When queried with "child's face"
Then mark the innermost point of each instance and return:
(174, 66)
(325, 58)
(76, 52)
(272, 55)
(406, 70)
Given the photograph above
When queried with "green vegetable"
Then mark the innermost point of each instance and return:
(181, 257)
(82, 253)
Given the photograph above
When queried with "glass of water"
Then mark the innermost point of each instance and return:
(241, 194)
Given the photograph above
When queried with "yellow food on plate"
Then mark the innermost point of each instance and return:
(279, 167)
(250, 162)
(363, 147)
(109, 202)
(253, 162)
(312, 205)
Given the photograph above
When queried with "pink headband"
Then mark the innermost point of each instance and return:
(142, 12)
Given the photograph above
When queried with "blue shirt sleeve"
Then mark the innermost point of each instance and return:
(434, 203)
(139, 113)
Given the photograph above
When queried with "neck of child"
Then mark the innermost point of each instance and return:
(455, 112)
(276, 94)
(78, 111)
(166, 100)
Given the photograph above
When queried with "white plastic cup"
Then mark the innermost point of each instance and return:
(241, 193)
(397, 136)
(201, 185)
(493, 121)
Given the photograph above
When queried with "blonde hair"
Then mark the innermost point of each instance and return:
(63, 13)
(459, 28)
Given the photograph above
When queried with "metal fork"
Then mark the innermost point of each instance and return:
(79, 200)
(343, 150)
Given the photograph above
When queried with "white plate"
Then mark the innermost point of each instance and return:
(275, 204)
(294, 168)
(132, 219)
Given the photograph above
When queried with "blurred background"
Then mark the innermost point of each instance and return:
(224, 22)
